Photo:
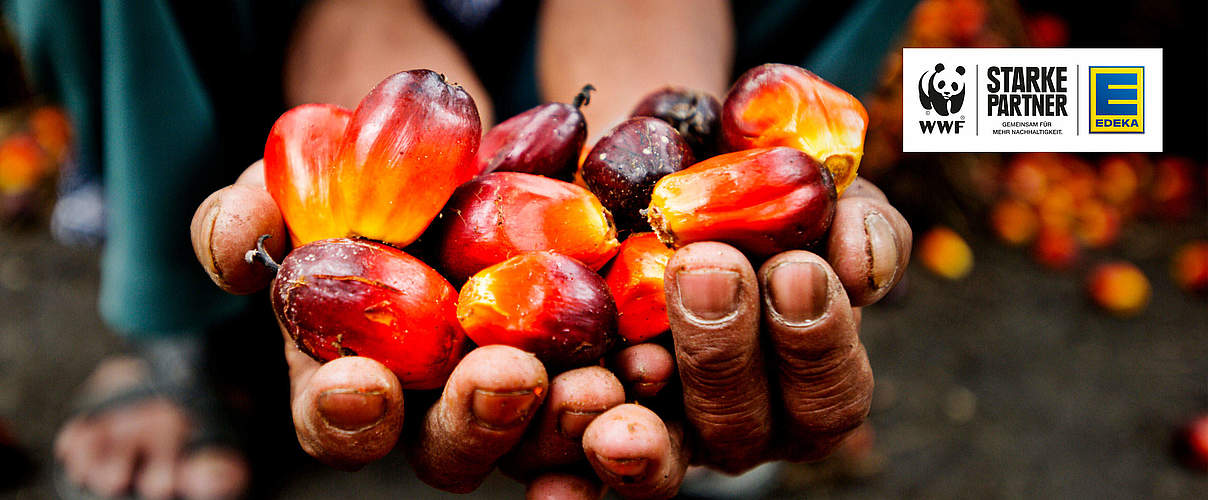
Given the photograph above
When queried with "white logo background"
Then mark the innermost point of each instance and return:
(982, 132)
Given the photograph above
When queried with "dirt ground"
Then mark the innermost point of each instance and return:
(1006, 384)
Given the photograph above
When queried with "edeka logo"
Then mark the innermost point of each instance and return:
(1117, 99)
(943, 91)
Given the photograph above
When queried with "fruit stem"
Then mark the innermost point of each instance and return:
(583, 98)
(261, 255)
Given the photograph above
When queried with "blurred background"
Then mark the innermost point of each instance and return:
(1050, 338)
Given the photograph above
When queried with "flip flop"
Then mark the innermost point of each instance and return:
(175, 365)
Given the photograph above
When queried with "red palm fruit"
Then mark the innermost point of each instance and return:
(352, 297)
(409, 144)
(1174, 183)
(636, 281)
(1189, 266)
(504, 214)
(1014, 222)
(1056, 249)
(1119, 288)
(624, 165)
(1118, 180)
(763, 201)
(1191, 443)
(52, 129)
(298, 158)
(1025, 178)
(23, 164)
(696, 115)
(785, 105)
(945, 253)
(1097, 224)
(545, 140)
(542, 302)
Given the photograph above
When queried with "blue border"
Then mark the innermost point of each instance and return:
(1091, 95)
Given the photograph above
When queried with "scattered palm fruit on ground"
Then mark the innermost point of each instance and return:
(1014, 222)
(635, 278)
(785, 105)
(543, 302)
(23, 164)
(1056, 249)
(1189, 266)
(694, 114)
(624, 165)
(1191, 443)
(945, 253)
(763, 201)
(353, 297)
(503, 214)
(1119, 288)
(545, 140)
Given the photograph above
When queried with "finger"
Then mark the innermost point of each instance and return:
(862, 188)
(558, 486)
(825, 379)
(213, 472)
(713, 308)
(483, 412)
(869, 247)
(253, 176)
(555, 439)
(635, 453)
(644, 369)
(226, 226)
(347, 412)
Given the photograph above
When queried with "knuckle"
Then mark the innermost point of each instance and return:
(831, 398)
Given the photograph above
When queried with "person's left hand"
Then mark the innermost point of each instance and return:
(771, 363)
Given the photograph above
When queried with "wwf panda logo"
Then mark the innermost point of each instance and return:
(942, 90)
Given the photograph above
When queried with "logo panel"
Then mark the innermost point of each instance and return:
(1117, 98)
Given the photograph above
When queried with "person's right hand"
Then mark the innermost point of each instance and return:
(350, 411)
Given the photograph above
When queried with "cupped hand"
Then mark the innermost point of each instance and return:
(499, 405)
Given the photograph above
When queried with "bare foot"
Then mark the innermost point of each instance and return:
(139, 447)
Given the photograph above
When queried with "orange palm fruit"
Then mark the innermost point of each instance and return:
(1189, 266)
(297, 159)
(503, 214)
(945, 253)
(409, 144)
(785, 105)
(763, 201)
(1119, 288)
(543, 302)
(23, 164)
(636, 281)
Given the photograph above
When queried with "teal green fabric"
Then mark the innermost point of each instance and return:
(154, 160)
(850, 56)
(158, 145)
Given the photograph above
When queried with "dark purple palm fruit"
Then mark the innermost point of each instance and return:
(696, 115)
(545, 140)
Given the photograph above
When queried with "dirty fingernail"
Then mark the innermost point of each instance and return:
(624, 468)
(883, 249)
(799, 291)
(572, 423)
(350, 409)
(502, 410)
(708, 294)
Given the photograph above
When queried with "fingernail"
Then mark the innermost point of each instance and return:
(350, 409)
(799, 291)
(628, 469)
(573, 423)
(882, 247)
(502, 410)
(709, 295)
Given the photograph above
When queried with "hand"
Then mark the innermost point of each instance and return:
(771, 362)
(350, 411)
